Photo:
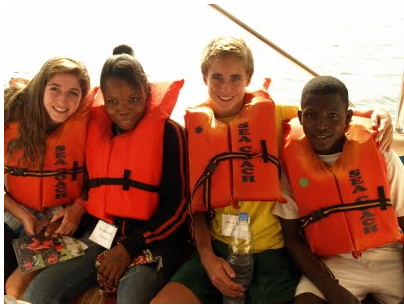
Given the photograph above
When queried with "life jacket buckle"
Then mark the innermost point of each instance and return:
(210, 168)
(18, 171)
(317, 215)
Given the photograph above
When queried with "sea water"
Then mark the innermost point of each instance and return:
(360, 42)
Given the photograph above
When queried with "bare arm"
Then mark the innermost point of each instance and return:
(202, 235)
(218, 269)
(70, 219)
(66, 221)
(29, 221)
(382, 122)
(311, 266)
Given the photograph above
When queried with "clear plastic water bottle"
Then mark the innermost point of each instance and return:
(240, 256)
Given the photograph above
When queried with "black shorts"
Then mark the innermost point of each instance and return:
(274, 281)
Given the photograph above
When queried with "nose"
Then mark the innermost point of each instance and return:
(124, 109)
(62, 98)
(322, 123)
(226, 85)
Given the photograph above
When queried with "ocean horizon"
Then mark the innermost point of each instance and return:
(360, 42)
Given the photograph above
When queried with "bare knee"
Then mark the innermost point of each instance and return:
(175, 293)
(17, 283)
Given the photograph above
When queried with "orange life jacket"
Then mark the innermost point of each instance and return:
(61, 181)
(234, 161)
(346, 207)
(125, 170)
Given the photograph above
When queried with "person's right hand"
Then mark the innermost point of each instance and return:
(340, 295)
(69, 219)
(50, 228)
(221, 274)
(31, 224)
(115, 264)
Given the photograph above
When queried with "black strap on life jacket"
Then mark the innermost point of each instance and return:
(205, 179)
(74, 170)
(265, 155)
(125, 182)
(381, 202)
(25, 172)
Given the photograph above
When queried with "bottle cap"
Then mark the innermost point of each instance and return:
(243, 216)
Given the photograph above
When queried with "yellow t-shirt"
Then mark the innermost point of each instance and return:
(266, 229)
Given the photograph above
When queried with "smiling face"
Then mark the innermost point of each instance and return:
(324, 118)
(226, 79)
(123, 103)
(62, 97)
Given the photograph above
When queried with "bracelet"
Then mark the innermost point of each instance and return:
(81, 202)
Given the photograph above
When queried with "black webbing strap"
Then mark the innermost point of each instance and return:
(264, 151)
(74, 173)
(205, 178)
(25, 172)
(382, 196)
(125, 182)
(383, 203)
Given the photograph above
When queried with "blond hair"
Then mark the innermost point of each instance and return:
(226, 47)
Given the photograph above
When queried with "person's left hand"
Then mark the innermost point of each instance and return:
(71, 219)
(114, 264)
(382, 122)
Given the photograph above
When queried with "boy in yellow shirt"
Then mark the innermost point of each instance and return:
(233, 165)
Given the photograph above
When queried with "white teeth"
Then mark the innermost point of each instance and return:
(321, 137)
(226, 98)
(60, 109)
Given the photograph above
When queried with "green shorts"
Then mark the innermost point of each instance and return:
(274, 281)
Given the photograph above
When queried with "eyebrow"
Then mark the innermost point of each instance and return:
(343, 108)
(58, 85)
(231, 75)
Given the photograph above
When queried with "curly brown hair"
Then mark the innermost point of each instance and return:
(25, 105)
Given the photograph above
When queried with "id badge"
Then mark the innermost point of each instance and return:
(103, 234)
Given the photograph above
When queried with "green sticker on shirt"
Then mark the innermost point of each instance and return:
(304, 182)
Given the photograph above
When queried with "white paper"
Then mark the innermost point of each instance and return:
(103, 234)
(228, 223)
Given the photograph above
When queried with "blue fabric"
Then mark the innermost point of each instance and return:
(139, 285)
(16, 225)
(65, 281)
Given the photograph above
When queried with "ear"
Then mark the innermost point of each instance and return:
(204, 80)
(348, 119)
(299, 115)
(248, 81)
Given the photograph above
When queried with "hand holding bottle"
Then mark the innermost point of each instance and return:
(240, 256)
(222, 275)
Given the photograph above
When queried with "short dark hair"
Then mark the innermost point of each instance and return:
(123, 49)
(328, 85)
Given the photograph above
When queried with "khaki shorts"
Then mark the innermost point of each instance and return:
(379, 273)
(274, 280)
